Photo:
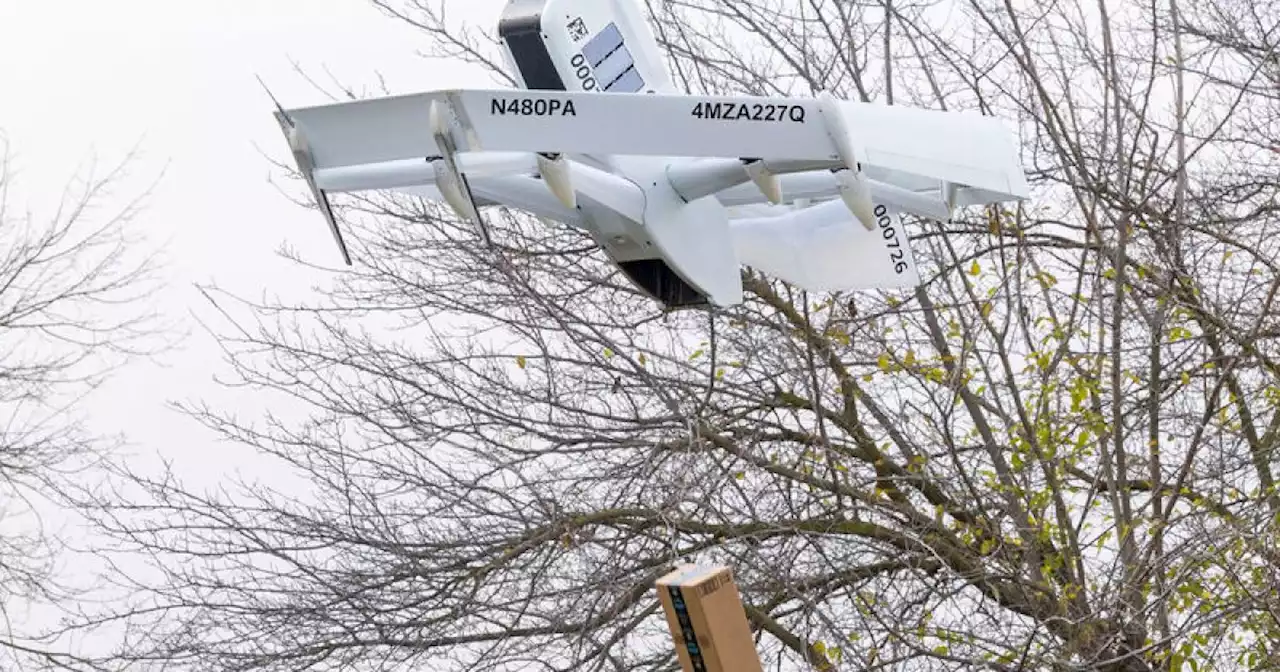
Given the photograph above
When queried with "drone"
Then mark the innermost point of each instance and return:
(679, 191)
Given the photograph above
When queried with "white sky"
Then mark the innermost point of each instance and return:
(176, 78)
(88, 76)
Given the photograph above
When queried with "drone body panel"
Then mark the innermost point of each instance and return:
(582, 45)
(680, 254)
(693, 237)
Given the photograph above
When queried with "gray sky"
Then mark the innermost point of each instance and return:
(89, 77)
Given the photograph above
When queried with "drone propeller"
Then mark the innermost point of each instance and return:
(302, 155)
(306, 164)
(450, 180)
(554, 169)
(950, 190)
(764, 180)
(853, 186)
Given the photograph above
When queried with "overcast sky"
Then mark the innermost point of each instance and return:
(177, 78)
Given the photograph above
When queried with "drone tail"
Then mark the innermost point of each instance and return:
(822, 248)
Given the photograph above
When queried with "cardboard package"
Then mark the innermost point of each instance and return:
(708, 623)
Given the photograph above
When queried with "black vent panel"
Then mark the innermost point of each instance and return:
(656, 277)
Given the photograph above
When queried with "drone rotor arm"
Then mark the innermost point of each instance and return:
(520, 192)
(822, 185)
(694, 179)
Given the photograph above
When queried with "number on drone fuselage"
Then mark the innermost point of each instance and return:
(898, 256)
(583, 71)
(749, 112)
(532, 107)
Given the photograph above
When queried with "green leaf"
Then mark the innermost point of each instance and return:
(975, 268)
(520, 361)
(608, 353)
(696, 354)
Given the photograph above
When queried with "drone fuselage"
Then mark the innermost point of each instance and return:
(678, 251)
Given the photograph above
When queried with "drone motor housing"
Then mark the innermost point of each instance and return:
(607, 46)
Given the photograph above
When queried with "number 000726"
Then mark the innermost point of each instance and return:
(583, 71)
(897, 256)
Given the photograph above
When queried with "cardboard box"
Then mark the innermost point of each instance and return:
(708, 623)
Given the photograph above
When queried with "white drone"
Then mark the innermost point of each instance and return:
(679, 191)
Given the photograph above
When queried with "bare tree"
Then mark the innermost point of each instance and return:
(1058, 453)
(73, 289)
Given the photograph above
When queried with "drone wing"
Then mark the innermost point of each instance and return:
(910, 147)
(463, 145)
(334, 152)
(414, 144)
